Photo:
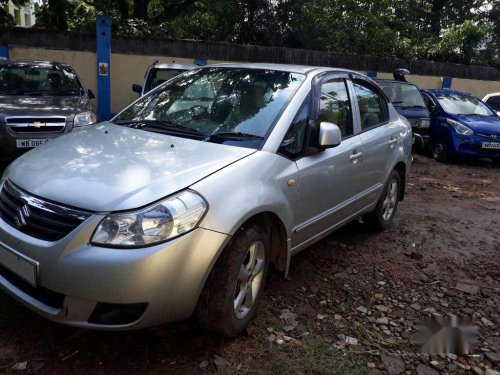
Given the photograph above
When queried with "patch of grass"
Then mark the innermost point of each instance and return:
(315, 355)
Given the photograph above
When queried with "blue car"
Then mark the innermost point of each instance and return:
(462, 126)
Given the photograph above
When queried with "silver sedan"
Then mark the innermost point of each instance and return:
(181, 203)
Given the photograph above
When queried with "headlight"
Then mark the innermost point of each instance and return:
(158, 223)
(460, 129)
(425, 123)
(84, 118)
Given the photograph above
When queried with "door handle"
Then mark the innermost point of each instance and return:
(356, 156)
(393, 141)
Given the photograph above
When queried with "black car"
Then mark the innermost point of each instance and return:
(39, 100)
(408, 101)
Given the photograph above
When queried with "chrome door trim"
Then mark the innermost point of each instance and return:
(327, 231)
(335, 209)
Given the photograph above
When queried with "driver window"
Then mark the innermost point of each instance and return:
(428, 103)
(335, 106)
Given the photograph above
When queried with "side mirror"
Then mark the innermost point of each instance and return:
(90, 94)
(137, 88)
(329, 135)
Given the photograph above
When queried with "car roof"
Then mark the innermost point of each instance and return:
(34, 62)
(160, 65)
(441, 92)
(301, 69)
(393, 81)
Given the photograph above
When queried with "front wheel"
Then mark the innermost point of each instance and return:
(232, 293)
(386, 207)
(440, 151)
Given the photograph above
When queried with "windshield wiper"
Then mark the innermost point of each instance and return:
(237, 136)
(164, 125)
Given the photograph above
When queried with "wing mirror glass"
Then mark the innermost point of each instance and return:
(329, 135)
(137, 88)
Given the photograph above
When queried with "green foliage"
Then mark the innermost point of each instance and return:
(460, 31)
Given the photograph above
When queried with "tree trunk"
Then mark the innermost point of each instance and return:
(141, 9)
(437, 9)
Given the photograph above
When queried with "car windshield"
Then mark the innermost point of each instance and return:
(402, 94)
(158, 76)
(457, 104)
(235, 106)
(38, 79)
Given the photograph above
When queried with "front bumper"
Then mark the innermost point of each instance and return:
(473, 147)
(76, 280)
(8, 140)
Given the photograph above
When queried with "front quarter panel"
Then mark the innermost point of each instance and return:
(262, 182)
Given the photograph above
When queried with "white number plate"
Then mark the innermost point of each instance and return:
(18, 265)
(30, 143)
(491, 145)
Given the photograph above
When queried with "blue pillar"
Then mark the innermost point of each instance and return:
(4, 52)
(103, 32)
(372, 74)
(446, 84)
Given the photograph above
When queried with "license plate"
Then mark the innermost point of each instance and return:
(18, 265)
(30, 143)
(491, 145)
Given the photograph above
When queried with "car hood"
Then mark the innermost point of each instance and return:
(107, 167)
(480, 124)
(17, 105)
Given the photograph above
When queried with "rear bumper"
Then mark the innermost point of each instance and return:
(111, 289)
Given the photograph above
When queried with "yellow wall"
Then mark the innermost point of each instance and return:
(129, 69)
(475, 87)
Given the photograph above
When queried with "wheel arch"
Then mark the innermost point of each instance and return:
(400, 167)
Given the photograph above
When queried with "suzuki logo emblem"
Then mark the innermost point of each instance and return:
(21, 215)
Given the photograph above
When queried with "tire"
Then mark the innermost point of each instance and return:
(385, 210)
(229, 282)
(440, 151)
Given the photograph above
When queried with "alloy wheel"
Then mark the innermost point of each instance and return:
(390, 200)
(250, 278)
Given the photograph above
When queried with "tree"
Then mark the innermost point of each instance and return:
(465, 31)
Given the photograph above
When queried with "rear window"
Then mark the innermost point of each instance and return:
(402, 94)
(494, 102)
(158, 76)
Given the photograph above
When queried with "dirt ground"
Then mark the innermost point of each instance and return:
(350, 305)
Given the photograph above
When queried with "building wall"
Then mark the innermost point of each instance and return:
(23, 16)
(127, 69)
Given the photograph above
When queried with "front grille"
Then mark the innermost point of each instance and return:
(27, 124)
(491, 137)
(46, 296)
(36, 217)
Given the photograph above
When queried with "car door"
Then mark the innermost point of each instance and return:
(328, 182)
(379, 137)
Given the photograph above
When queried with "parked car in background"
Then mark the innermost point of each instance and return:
(182, 202)
(158, 73)
(462, 125)
(407, 100)
(493, 100)
(39, 101)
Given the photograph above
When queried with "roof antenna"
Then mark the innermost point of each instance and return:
(399, 74)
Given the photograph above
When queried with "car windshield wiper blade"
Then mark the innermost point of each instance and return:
(164, 125)
(237, 136)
